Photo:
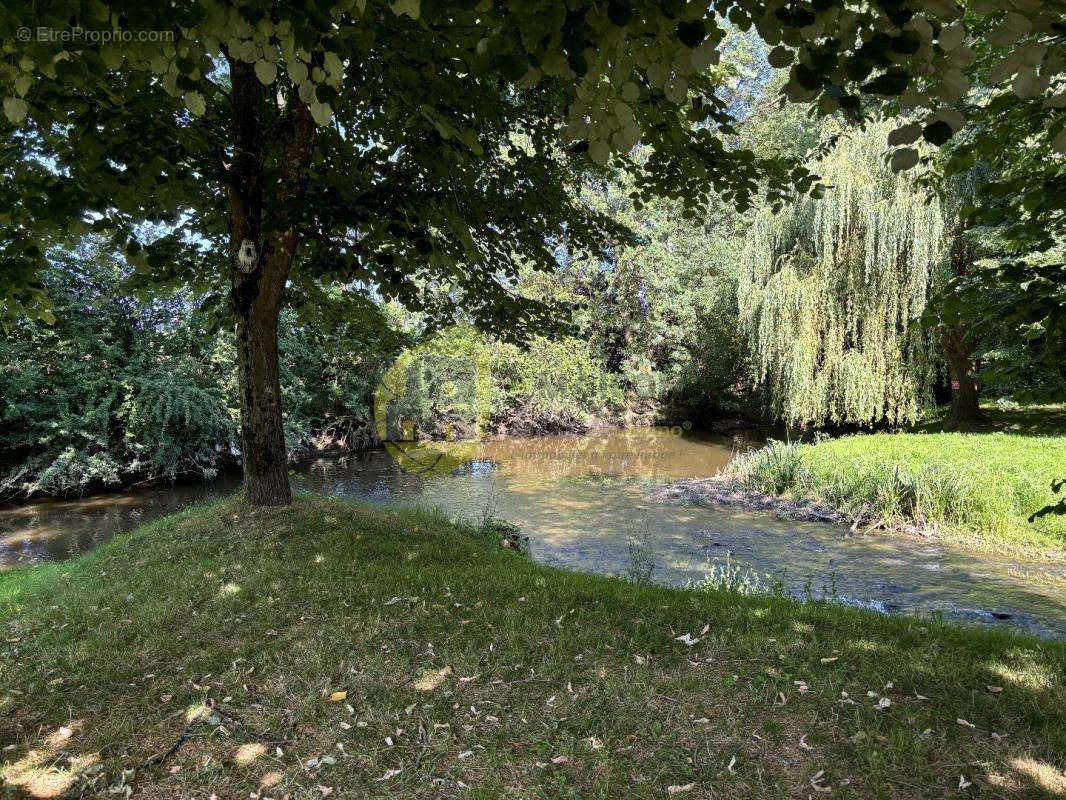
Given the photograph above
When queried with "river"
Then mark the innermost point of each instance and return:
(584, 503)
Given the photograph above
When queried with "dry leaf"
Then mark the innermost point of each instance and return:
(964, 723)
(561, 760)
(680, 788)
(732, 763)
(994, 689)
(816, 782)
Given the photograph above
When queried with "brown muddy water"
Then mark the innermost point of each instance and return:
(584, 503)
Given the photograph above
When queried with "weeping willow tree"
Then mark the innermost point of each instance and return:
(828, 289)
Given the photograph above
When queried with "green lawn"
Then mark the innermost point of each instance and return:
(1048, 419)
(336, 650)
(979, 488)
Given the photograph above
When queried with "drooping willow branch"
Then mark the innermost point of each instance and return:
(828, 289)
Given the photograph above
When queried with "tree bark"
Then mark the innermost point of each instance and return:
(260, 262)
(959, 345)
(266, 465)
(965, 409)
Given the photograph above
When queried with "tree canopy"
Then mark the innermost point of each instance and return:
(409, 145)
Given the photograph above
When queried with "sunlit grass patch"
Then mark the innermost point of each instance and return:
(981, 488)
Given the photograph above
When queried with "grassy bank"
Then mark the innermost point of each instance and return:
(336, 650)
(975, 487)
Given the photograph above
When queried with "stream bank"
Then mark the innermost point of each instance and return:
(585, 502)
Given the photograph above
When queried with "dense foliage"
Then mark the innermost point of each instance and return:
(118, 390)
(830, 288)
(375, 136)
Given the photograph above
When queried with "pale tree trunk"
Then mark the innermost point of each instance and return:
(260, 262)
(965, 409)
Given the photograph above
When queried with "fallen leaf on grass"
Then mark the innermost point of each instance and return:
(680, 788)
(964, 723)
(803, 743)
(392, 773)
(994, 689)
(830, 659)
(732, 763)
(561, 760)
(816, 782)
(882, 704)
(336, 697)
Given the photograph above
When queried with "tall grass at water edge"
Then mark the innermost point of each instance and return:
(981, 487)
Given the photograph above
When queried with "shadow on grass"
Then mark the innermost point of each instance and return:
(321, 621)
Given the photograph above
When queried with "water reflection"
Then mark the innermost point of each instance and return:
(583, 501)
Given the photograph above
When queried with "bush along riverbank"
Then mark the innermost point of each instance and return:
(978, 489)
(331, 649)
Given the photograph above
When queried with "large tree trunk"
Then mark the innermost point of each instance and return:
(266, 466)
(260, 262)
(965, 409)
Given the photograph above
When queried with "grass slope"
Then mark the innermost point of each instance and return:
(336, 650)
(974, 487)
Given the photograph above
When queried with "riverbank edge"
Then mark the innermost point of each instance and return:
(321, 445)
(306, 621)
(725, 491)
